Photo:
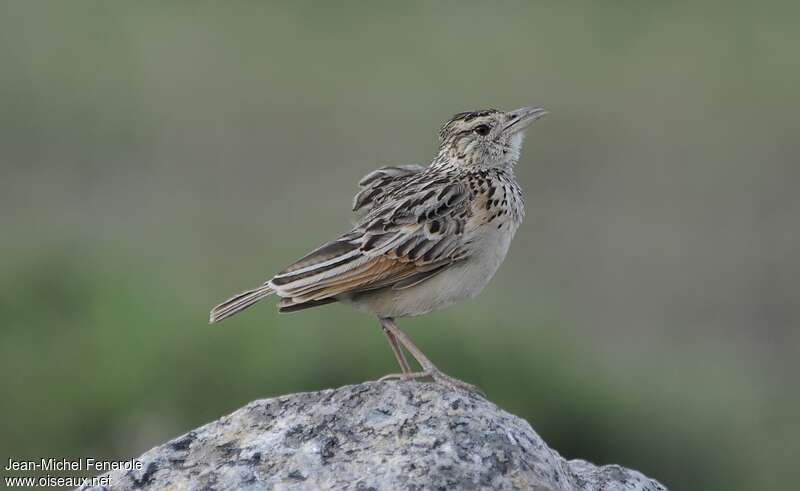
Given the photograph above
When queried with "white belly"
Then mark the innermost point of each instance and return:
(460, 282)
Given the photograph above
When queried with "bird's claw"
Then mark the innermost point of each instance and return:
(438, 377)
(454, 383)
(404, 376)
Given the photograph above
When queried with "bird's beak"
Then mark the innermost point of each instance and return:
(521, 118)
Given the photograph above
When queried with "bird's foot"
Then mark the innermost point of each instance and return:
(404, 376)
(453, 383)
(438, 377)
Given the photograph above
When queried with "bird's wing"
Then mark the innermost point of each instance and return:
(415, 233)
(380, 183)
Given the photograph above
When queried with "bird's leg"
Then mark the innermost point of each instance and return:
(428, 368)
(397, 350)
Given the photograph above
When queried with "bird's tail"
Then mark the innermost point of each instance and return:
(239, 302)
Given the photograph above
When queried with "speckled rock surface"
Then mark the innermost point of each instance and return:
(372, 436)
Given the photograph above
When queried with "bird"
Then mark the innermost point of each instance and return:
(424, 237)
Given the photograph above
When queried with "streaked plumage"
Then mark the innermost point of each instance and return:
(424, 237)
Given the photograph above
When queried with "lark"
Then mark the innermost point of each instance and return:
(424, 237)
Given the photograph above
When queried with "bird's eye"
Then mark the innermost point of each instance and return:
(482, 130)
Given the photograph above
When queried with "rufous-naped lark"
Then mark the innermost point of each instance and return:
(424, 238)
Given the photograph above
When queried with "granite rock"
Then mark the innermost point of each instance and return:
(371, 436)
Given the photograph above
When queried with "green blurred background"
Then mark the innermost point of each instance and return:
(157, 157)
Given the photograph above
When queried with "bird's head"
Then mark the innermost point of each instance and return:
(486, 138)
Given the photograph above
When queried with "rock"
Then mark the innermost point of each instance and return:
(371, 436)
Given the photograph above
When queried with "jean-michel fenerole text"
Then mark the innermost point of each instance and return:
(65, 464)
